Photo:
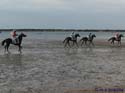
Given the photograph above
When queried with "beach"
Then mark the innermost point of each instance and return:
(45, 66)
(38, 61)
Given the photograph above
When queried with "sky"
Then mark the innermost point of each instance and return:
(62, 14)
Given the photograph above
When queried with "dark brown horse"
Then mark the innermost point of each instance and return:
(113, 39)
(84, 40)
(6, 43)
(68, 39)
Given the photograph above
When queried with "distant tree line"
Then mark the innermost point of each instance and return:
(79, 30)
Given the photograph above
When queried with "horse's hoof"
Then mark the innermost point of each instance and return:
(20, 52)
(9, 52)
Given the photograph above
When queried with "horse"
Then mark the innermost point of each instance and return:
(84, 40)
(67, 39)
(6, 43)
(113, 39)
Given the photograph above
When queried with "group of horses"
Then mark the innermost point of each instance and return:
(88, 40)
(67, 42)
(83, 40)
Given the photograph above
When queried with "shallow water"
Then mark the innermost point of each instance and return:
(48, 67)
(57, 35)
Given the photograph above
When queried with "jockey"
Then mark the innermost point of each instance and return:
(89, 36)
(72, 35)
(116, 35)
(14, 36)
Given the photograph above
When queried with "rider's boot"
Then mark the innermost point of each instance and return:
(16, 41)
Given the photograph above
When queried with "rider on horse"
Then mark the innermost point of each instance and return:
(116, 35)
(89, 36)
(72, 35)
(14, 36)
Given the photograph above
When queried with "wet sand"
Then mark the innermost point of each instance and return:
(45, 66)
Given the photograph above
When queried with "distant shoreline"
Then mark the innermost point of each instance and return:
(61, 30)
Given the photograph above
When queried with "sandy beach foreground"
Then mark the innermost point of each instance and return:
(45, 66)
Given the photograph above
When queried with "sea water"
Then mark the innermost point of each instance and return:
(48, 67)
(57, 35)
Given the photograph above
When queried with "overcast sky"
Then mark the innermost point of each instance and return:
(77, 14)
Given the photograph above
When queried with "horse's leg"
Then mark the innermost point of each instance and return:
(75, 42)
(7, 47)
(112, 42)
(65, 44)
(92, 43)
(86, 43)
(68, 44)
(119, 43)
(82, 43)
(19, 49)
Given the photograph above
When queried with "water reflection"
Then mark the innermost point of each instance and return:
(86, 51)
(13, 59)
(116, 53)
(95, 51)
(115, 49)
(12, 63)
(71, 51)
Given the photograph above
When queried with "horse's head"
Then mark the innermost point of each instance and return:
(93, 35)
(77, 35)
(121, 35)
(22, 35)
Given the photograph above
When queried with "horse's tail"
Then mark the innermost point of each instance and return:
(3, 42)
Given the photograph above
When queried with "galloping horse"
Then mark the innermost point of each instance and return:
(67, 39)
(112, 39)
(84, 40)
(9, 41)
